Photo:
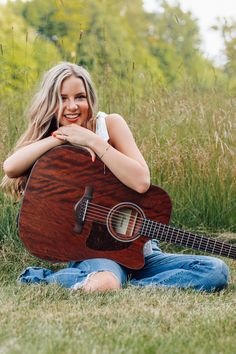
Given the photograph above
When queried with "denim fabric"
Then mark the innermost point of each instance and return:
(182, 271)
(75, 275)
(202, 273)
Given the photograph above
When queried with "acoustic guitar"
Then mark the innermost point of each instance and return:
(74, 209)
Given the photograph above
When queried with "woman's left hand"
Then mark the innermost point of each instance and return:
(76, 135)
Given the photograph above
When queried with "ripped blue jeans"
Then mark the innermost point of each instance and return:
(202, 273)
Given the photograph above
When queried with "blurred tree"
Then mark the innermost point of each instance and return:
(174, 38)
(227, 28)
(21, 56)
(107, 37)
(118, 40)
(57, 21)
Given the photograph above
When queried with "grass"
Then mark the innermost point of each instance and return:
(50, 319)
(188, 140)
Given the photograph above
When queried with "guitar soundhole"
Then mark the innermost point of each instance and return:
(124, 222)
(104, 243)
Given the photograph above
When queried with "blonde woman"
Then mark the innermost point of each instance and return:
(64, 110)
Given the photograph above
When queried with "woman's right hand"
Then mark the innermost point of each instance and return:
(75, 135)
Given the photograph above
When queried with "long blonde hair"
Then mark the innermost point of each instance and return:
(41, 113)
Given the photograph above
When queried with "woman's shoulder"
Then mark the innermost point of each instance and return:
(114, 120)
(109, 116)
(117, 128)
(106, 124)
(111, 121)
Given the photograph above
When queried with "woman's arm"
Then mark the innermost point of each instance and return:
(21, 160)
(121, 155)
(123, 158)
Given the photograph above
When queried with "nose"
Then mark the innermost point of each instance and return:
(72, 105)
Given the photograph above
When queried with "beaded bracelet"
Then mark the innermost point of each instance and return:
(108, 146)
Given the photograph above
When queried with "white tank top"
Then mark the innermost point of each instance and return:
(101, 127)
(101, 130)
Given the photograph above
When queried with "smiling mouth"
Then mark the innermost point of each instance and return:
(72, 117)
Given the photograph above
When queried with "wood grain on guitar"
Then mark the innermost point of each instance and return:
(72, 211)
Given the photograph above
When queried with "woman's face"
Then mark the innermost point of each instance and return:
(75, 107)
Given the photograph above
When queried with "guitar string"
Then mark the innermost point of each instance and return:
(185, 237)
(217, 247)
(160, 225)
(221, 247)
(117, 215)
(106, 209)
(163, 226)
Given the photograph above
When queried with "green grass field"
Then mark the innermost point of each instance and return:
(49, 319)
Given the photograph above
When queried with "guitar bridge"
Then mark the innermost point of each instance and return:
(81, 208)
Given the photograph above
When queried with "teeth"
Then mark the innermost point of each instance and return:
(71, 116)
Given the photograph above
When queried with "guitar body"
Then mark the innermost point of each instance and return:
(48, 222)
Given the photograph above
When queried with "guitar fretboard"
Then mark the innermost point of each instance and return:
(166, 233)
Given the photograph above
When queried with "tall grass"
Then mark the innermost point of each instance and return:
(186, 136)
(188, 139)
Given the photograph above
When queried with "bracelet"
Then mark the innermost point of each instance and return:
(108, 146)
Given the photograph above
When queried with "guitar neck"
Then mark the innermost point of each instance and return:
(166, 233)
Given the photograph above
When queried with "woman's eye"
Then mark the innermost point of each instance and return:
(80, 97)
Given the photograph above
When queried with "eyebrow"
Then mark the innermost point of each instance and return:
(79, 93)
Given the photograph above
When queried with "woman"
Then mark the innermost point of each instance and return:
(64, 110)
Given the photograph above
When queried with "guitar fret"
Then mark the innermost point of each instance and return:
(213, 249)
(181, 242)
(147, 231)
(194, 240)
(177, 236)
(171, 235)
(166, 232)
(206, 245)
(159, 231)
(155, 227)
(150, 228)
(149, 225)
(187, 234)
(200, 243)
(222, 245)
(225, 249)
(183, 239)
(144, 226)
